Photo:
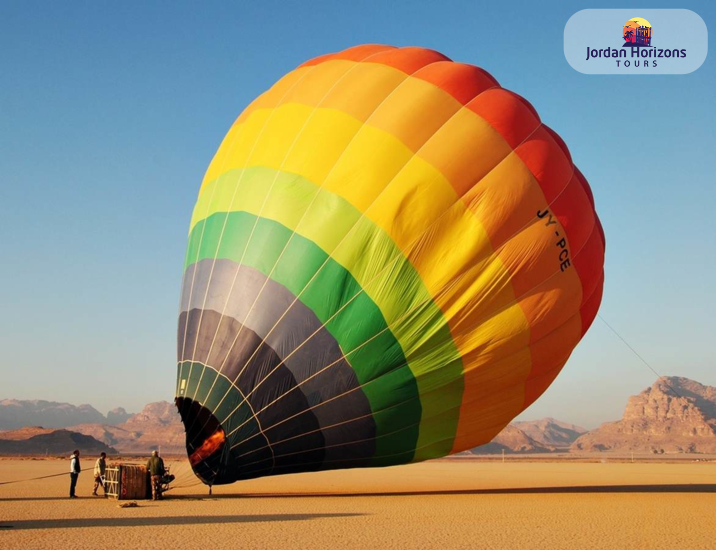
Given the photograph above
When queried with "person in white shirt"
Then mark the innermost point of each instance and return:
(100, 468)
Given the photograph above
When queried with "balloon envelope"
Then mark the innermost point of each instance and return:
(389, 259)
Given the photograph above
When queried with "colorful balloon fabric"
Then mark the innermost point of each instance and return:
(390, 258)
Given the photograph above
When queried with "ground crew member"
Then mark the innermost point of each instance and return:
(75, 470)
(155, 467)
(100, 467)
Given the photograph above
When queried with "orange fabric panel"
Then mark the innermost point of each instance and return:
(534, 387)
(583, 181)
(601, 234)
(333, 87)
(560, 142)
(588, 190)
(547, 162)
(508, 113)
(414, 112)
(465, 150)
(588, 262)
(555, 347)
(575, 214)
(409, 59)
(506, 200)
(356, 53)
(495, 395)
(461, 81)
(551, 303)
(591, 306)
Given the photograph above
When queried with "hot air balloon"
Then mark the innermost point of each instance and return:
(389, 259)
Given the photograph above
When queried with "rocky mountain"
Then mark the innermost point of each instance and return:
(16, 413)
(157, 425)
(673, 415)
(40, 441)
(25, 433)
(550, 432)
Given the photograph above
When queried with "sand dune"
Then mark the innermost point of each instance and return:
(442, 504)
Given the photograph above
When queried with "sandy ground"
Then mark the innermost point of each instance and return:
(442, 504)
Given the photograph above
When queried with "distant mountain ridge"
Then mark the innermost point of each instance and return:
(510, 440)
(550, 432)
(16, 413)
(532, 436)
(156, 425)
(40, 441)
(673, 415)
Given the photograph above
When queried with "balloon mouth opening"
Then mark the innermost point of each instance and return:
(205, 441)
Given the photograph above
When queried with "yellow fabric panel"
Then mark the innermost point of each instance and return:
(368, 165)
(416, 197)
(285, 139)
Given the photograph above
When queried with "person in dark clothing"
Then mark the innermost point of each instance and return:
(155, 467)
(75, 470)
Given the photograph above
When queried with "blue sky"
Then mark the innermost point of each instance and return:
(111, 112)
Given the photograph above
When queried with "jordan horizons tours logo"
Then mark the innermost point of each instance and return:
(637, 49)
(658, 41)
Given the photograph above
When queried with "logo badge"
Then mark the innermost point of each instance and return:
(592, 47)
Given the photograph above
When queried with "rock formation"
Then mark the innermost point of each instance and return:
(673, 415)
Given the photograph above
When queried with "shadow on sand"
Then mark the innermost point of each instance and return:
(577, 489)
(155, 521)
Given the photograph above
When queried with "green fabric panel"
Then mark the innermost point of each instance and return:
(325, 219)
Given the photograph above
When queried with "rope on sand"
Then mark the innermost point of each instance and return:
(32, 478)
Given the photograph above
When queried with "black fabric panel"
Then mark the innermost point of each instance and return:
(293, 331)
(317, 364)
(247, 364)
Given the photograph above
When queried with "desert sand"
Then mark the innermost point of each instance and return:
(442, 504)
